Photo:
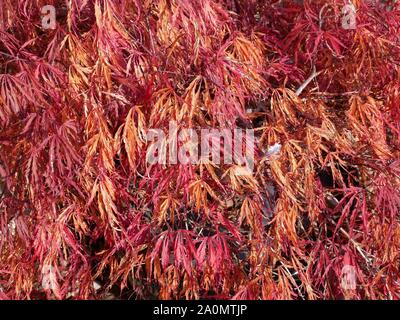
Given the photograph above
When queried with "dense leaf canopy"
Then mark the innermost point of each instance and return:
(83, 215)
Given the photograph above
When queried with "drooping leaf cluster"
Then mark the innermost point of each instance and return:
(83, 214)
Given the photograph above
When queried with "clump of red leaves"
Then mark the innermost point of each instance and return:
(80, 204)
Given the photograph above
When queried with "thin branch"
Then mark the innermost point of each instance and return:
(307, 82)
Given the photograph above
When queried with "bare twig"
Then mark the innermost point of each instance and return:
(313, 75)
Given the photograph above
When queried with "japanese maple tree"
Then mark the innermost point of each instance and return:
(83, 215)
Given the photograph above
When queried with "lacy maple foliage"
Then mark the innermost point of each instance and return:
(83, 215)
